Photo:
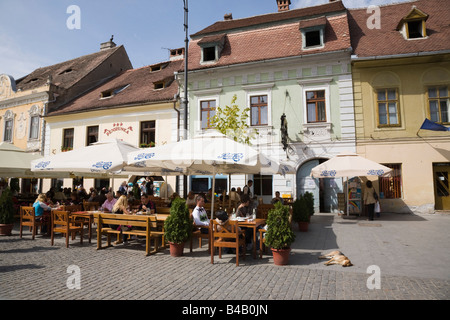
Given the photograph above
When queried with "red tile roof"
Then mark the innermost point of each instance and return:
(389, 41)
(271, 18)
(272, 42)
(140, 90)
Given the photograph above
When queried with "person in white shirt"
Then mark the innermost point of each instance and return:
(199, 213)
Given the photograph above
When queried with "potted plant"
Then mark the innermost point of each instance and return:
(6, 212)
(279, 235)
(300, 213)
(309, 198)
(178, 227)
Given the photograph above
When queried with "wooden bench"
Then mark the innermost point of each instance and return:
(142, 225)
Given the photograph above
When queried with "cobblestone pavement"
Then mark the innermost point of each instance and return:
(412, 253)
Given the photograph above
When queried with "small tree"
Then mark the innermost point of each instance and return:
(178, 225)
(309, 199)
(233, 124)
(279, 232)
(6, 207)
(300, 212)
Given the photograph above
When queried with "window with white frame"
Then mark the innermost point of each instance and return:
(316, 101)
(9, 125)
(207, 112)
(316, 106)
(34, 122)
(34, 128)
(439, 104)
(259, 108)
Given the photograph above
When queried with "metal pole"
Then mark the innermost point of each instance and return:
(186, 11)
(186, 45)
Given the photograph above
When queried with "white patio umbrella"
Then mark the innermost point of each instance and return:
(209, 154)
(348, 165)
(15, 162)
(106, 159)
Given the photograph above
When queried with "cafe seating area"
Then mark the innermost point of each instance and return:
(75, 222)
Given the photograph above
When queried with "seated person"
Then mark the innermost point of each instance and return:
(42, 211)
(244, 208)
(199, 214)
(107, 206)
(146, 203)
(222, 220)
(190, 201)
(277, 198)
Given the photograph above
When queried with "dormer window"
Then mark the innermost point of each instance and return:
(413, 26)
(313, 32)
(212, 47)
(159, 85)
(158, 67)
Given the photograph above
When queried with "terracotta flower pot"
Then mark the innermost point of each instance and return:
(6, 229)
(281, 256)
(303, 226)
(176, 249)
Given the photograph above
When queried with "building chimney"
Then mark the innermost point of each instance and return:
(176, 54)
(283, 5)
(228, 16)
(108, 45)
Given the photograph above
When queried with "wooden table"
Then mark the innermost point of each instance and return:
(87, 215)
(254, 224)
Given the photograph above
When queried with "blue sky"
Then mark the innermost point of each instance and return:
(34, 33)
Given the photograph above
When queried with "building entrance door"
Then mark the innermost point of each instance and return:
(441, 173)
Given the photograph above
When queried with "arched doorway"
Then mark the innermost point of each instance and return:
(325, 190)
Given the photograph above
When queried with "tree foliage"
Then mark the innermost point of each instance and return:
(233, 123)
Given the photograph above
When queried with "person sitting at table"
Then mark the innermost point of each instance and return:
(223, 221)
(121, 206)
(199, 214)
(244, 207)
(277, 198)
(42, 211)
(108, 205)
(243, 211)
(75, 199)
(190, 200)
(146, 203)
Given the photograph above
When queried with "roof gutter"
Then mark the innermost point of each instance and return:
(401, 55)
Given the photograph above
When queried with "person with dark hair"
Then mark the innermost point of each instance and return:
(244, 207)
(199, 214)
(369, 199)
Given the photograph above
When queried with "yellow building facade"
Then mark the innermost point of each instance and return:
(420, 158)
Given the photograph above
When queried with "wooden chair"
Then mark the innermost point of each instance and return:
(198, 234)
(228, 237)
(91, 206)
(262, 240)
(263, 210)
(28, 218)
(61, 222)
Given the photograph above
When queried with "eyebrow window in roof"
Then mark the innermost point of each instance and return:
(113, 92)
(67, 71)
